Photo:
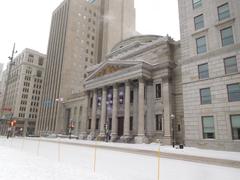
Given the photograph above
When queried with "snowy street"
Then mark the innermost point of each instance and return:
(37, 160)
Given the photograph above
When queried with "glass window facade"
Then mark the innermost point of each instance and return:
(223, 12)
(208, 127)
(205, 95)
(158, 122)
(230, 65)
(203, 71)
(233, 92)
(197, 3)
(201, 45)
(235, 124)
(227, 36)
(198, 22)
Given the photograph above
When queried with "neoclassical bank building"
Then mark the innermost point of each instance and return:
(135, 93)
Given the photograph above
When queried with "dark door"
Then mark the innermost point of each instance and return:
(67, 120)
(120, 126)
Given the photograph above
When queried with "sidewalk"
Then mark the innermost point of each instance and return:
(212, 157)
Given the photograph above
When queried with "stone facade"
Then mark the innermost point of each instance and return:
(25, 83)
(145, 88)
(212, 23)
(121, 93)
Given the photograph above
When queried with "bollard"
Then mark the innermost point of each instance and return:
(158, 163)
(38, 147)
(59, 147)
(95, 157)
(22, 144)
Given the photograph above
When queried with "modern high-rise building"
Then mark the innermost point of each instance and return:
(22, 98)
(210, 59)
(82, 33)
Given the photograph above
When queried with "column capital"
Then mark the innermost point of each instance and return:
(86, 93)
(141, 80)
(116, 85)
(94, 90)
(127, 82)
(166, 79)
(104, 88)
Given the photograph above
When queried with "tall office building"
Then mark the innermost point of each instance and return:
(210, 48)
(82, 33)
(24, 89)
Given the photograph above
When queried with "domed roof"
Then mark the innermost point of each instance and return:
(142, 39)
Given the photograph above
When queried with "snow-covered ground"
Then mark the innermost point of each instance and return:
(169, 149)
(35, 160)
(17, 165)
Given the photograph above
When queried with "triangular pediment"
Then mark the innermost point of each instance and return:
(109, 67)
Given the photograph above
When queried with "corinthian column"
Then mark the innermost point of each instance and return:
(141, 113)
(103, 112)
(126, 133)
(114, 113)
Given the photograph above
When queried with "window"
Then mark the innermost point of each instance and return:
(131, 123)
(205, 95)
(110, 124)
(131, 96)
(179, 127)
(40, 61)
(230, 65)
(201, 45)
(30, 58)
(97, 123)
(158, 122)
(235, 123)
(208, 127)
(39, 73)
(197, 3)
(233, 92)
(89, 123)
(223, 12)
(158, 91)
(203, 71)
(198, 22)
(227, 36)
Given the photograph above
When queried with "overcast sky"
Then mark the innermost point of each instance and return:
(27, 22)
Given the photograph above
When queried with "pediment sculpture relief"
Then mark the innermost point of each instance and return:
(108, 70)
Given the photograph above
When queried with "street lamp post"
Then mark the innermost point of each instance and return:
(173, 135)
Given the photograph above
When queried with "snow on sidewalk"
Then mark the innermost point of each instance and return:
(228, 155)
(18, 165)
